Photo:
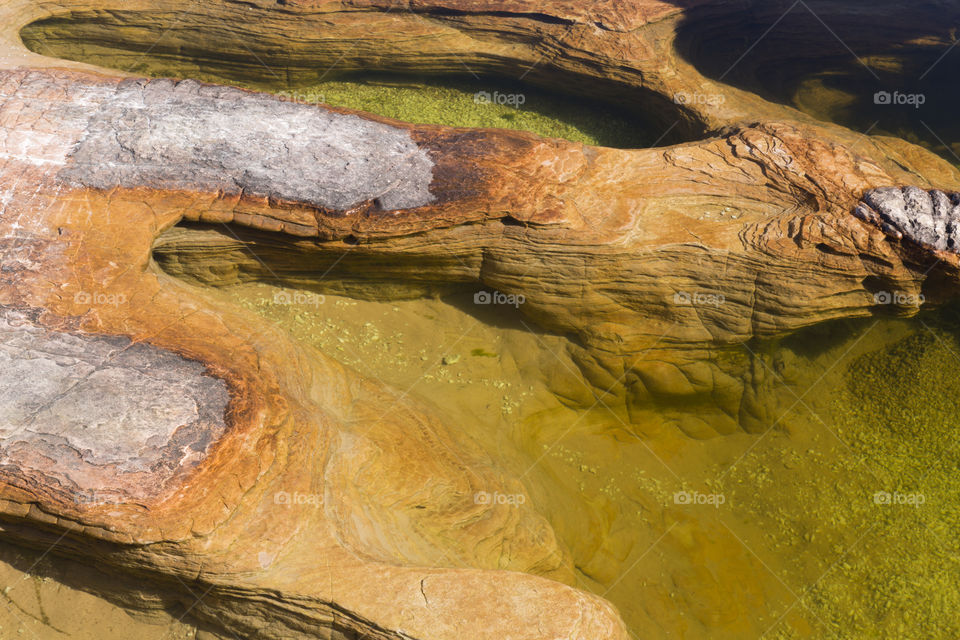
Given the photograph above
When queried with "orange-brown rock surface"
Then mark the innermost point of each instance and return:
(314, 503)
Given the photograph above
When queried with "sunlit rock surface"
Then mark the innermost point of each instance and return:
(102, 415)
(189, 136)
(326, 504)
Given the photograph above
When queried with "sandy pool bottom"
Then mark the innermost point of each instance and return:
(38, 603)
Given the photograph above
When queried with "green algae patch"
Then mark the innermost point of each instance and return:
(457, 102)
(478, 103)
(855, 492)
(901, 409)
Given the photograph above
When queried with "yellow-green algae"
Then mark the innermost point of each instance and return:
(464, 100)
(900, 410)
(454, 101)
(468, 102)
(867, 517)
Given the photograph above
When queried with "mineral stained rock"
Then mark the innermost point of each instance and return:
(316, 503)
(310, 488)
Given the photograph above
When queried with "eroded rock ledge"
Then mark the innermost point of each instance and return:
(330, 506)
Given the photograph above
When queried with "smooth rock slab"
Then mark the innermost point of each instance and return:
(102, 415)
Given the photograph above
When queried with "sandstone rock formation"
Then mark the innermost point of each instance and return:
(64, 420)
(317, 503)
(119, 449)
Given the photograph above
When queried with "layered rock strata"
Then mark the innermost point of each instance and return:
(311, 503)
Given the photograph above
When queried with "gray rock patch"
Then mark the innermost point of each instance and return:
(929, 218)
(87, 410)
(191, 136)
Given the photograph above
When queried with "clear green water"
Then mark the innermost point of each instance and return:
(798, 549)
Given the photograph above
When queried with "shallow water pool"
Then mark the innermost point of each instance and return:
(838, 522)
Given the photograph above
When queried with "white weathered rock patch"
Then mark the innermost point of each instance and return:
(929, 218)
(89, 409)
(191, 136)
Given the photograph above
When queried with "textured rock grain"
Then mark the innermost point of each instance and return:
(189, 136)
(351, 549)
(102, 415)
(929, 218)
